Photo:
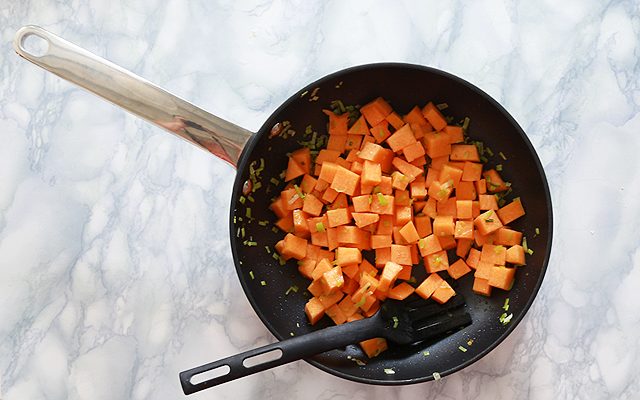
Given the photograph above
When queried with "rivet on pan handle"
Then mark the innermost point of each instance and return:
(134, 94)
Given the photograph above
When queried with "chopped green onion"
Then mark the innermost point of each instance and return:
(505, 319)
(250, 243)
(357, 361)
(395, 322)
(499, 167)
(484, 159)
(248, 212)
(425, 353)
(263, 223)
(251, 275)
(488, 149)
(242, 231)
(489, 219)
(267, 249)
(234, 219)
(275, 256)
(465, 124)
(462, 349)
(389, 371)
(274, 181)
(506, 304)
(298, 191)
(524, 243)
(436, 376)
(530, 251)
(421, 243)
(442, 106)
(382, 200)
(537, 232)
(361, 302)
(263, 283)
(238, 233)
(274, 229)
(291, 289)
(320, 227)
(503, 156)
(242, 199)
(470, 342)
(291, 333)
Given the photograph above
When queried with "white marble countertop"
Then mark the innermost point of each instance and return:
(115, 266)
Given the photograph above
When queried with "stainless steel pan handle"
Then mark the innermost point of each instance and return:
(134, 94)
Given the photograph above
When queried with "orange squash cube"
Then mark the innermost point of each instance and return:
(458, 269)
(443, 293)
(487, 222)
(429, 285)
(314, 310)
(515, 255)
(481, 286)
(502, 277)
(436, 262)
(511, 211)
(443, 225)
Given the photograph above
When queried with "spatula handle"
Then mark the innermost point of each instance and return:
(296, 348)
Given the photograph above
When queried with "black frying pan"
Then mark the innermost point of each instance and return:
(264, 280)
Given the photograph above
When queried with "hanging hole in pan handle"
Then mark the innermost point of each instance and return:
(32, 43)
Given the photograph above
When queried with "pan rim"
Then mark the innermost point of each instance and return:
(264, 129)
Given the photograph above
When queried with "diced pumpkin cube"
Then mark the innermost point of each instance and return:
(466, 191)
(312, 205)
(487, 222)
(401, 138)
(502, 277)
(463, 246)
(481, 286)
(494, 181)
(429, 245)
(411, 171)
(464, 209)
(429, 285)
(409, 232)
(338, 216)
(376, 111)
(373, 347)
(465, 152)
(488, 202)
(414, 152)
(515, 255)
(294, 247)
(463, 230)
(332, 280)
(436, 145)
(493, 254)
(348, 255)
(443, 225)
(473, 258)
(345, 181)
(443, 293)
(314, 310)
(507, 237)
(436, 262)
(401, 254)
(458, 269)
(389, 274)
(511, 211)
(336, 314)
(401, 291)
(379, 241)
(434, 116)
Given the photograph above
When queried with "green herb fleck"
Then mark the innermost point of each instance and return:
(502, 155)
(425, 353)
(506, 304)
(251, 275)
(382, 200)
(499, 167)
(442, 106)
(395, 322)
(263, 283)
(242, 199)
(291, 289)
(389, 371)
(462, 349)
(320, 227)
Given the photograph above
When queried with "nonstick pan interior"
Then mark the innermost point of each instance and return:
(266, 282)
